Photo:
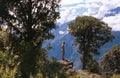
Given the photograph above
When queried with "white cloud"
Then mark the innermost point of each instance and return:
(92, 8)
(106, 6)
(70, 9)
(61, 32)
(69, 13)
(69, 2)
(113, 21)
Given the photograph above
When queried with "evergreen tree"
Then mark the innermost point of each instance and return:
(90, 34)
(111, 61)
(29, 24)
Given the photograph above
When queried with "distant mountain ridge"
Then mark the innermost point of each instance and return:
(71, 51)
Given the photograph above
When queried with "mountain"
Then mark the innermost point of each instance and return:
(71, 51)
(61, 34)
(113, 12)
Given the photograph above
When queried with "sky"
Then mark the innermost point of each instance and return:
(70, 9)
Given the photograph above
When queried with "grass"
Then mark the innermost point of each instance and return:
(7, 72)
(116, 76)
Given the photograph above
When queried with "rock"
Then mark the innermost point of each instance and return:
(66, 63)
(67, 66)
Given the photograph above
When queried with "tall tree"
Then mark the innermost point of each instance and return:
(29, 23)
(90, 34)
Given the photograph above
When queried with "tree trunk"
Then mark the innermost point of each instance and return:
(84, 61)
(29, 61)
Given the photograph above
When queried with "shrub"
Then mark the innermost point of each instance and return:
(7, 72)
(8, 66)
(93, 66)
(111, 61)
(115, 76)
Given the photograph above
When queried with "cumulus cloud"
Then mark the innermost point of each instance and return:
(70, 9)
(69, 13)
(106, 6)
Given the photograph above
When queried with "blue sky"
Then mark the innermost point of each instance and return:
(70, 9)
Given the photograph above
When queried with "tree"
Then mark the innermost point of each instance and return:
(90, 34)
(29, 24)
(111, 61)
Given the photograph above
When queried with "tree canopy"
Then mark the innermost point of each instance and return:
(90, 34)
(111, 61)
(28, 17)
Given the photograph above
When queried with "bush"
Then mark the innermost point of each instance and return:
(93, 66)
(111, 61)
(8, 66)
(115, 76)
(52, 69)
(7, 72)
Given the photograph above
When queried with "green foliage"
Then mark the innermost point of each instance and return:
(27, 23)
(93, 66)
(111, 61)
(7, 72)
(8, 65)
(115, 76)
(75, 76)
(53, 69)
(90, 34)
